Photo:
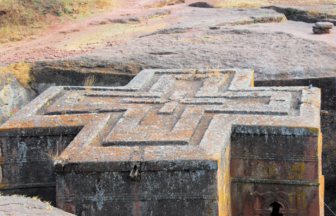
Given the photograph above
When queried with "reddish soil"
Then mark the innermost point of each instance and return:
(50, 43)
(53, 43)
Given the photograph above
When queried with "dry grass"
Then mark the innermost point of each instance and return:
(88, 82)
(320, 13)
(238, 4)
(22, 18)
(164, 3)
(36, 198)
(21, 72)
(60, 145)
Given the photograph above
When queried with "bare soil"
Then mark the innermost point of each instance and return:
(53, 43)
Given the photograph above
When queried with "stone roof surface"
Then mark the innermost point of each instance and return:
(164, 117)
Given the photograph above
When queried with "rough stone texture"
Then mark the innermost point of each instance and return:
(190, 25)
(127, 19)
(317, 30)
(250, 157)
(23, 206)
(322, 27)
(12, 97)
(328, 127)
(104, 77)
(279, 55)
(322, 13)
(202, 4)
(169, 142)
(27, 163)
(199, 18)
(286, 50)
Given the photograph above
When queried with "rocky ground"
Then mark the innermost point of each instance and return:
(276, 49)
(23, 206)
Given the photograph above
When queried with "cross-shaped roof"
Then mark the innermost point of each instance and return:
(166, 116)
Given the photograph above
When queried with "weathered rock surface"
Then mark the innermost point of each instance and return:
(98, 23)
(23, 206)
(12, 97)
(127, 19)
(272, 55)
(202, 4)
(186, 37)
(194, 128)
(323, 13)
(322, 27)
(198, 18)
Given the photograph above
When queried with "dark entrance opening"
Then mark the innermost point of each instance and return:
(276, 209)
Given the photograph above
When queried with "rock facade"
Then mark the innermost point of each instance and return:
(171, 141)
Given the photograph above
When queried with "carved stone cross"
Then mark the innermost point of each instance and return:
(168, 120)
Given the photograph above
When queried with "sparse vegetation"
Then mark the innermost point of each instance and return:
(21, 72)
(164, 3)
(53, 155)
(36, 198)
(13, 112)
(237, 4)
(22, 18)
(322, 14)
(88, 82)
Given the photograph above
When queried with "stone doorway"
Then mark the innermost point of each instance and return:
(276, 209)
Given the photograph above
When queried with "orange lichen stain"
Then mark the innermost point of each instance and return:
(321, 194)
(272, 171)
(224, 203)
(304, 201)
(297, 171)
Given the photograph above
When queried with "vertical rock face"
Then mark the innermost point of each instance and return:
(12, 98)
(172, 141)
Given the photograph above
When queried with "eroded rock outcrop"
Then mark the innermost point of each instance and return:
(24, 206)
(322, 27)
